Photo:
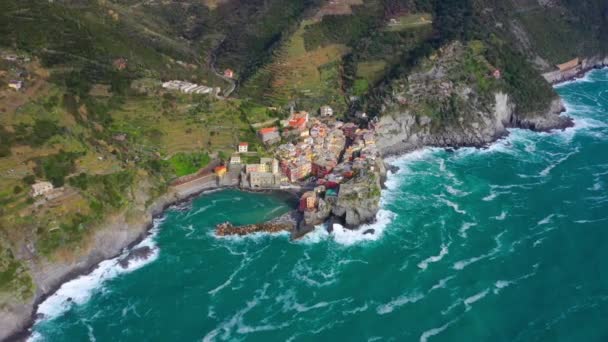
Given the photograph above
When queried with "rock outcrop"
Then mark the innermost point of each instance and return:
(358, 201)
(439, 106)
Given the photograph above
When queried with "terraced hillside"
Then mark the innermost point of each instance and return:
(92, 118)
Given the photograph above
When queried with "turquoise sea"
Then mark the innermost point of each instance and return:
(509, 243)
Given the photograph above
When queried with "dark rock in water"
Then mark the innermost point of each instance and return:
(370, 232)
(392, 168)
(141, 253)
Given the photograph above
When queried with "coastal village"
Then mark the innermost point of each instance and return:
(327, 161)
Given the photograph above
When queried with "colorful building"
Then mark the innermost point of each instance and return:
(269, 135)
(243, 147)
(308, 201)
(220, 171)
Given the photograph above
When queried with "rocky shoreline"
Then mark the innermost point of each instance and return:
(118, 234)
(586, 65)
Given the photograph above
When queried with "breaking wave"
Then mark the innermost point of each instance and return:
(79, 290)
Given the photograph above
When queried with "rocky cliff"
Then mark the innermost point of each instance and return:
(455, 99)
(585, 65)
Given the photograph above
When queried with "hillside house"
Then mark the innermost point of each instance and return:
(243, 147)
(308, 201)
(220, 171)
(497, 74)
(229, 73)
(120, 63)
(326, 111)
(269, 135)
(262, 179)
(235, 159)
(571, 64)
(17, 85)
(41, 188)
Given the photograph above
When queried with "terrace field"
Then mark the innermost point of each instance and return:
(409, 21)
(309, 77)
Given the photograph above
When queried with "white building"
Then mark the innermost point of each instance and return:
(326, 111)
(243, 147)
(235, 159)
(17, 85)
(41, 188)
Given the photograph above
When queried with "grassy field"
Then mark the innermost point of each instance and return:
(409, 21)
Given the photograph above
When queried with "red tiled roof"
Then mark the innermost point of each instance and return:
(268, 130)
(219, 168)
(243, 144)
(299, 122)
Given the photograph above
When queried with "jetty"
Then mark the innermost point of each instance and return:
(287, 222)
(227, 229)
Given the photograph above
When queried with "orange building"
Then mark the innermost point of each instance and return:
(220, 171)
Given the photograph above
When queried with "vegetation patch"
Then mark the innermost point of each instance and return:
(185, 164)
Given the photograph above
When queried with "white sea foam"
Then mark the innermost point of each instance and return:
(475, 298)
(456, 192)
(436, 331)
(356, 310)
(490, 197)
(78, 291)
(236, 322)
(441, 284)
(501, 284)
(546, 171)
(452, 205)
(398, 302)
(545, 220)
(435, 258)
(349, 237)
(501, 217)
(460, 265)
(464, 228)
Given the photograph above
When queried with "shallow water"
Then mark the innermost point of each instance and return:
(502, 244)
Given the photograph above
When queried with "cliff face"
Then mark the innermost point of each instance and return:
(454, 99)
(359, 200)
(357, 203)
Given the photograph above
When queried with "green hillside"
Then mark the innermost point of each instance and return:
(93, 118)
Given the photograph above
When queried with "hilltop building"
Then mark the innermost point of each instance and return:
(41, 188)
(243, 147)
(229, 73)
(17, 85)
(326, 111)
(269, 135)
(120, 63)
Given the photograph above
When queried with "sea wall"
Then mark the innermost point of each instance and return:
(586, 64)
(108, 241)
